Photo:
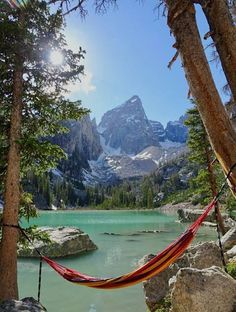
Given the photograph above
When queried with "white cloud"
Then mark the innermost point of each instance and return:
(85, 85)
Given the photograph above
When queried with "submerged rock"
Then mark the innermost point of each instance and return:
(208, 290)
(65, 241)
(25, 305)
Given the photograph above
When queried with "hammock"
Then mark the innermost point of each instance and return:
(156, 265)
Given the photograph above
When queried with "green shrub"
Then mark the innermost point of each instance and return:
(231, 269)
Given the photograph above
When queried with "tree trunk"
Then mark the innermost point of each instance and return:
(214, 190)
(223, 34)
(8, 251)
(182, 22)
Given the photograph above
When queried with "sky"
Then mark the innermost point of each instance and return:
(127, 53)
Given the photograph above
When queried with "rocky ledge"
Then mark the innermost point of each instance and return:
(196, 281)
(65, 241)
(24, 305)
(208, 290)
(190, 215)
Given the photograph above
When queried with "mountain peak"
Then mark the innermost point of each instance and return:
(132, 104)
(127, 128)
(134, 99)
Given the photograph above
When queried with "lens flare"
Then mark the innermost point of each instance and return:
(16, 4)
(56, 57)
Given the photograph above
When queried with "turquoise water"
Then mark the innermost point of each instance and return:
(117, 254)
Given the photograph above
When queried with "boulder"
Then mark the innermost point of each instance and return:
(173, 208)
(209, 224)
(202, 255)
(229, 223)
(24, 305)
(208, 290)
(229, 239)
(231, 253)
(156, 288)
(65, 241)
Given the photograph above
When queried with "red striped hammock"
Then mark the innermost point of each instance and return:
(156, 265)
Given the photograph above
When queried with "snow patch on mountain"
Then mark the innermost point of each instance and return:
(107, 149)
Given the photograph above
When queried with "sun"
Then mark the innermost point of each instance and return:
(56, 57)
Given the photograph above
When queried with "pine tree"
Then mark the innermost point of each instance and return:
(201, 154)
(32, 106)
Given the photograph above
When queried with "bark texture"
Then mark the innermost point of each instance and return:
(223, 33)
(8, 247)
(182, 22)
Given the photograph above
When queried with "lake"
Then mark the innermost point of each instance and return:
(116, 254)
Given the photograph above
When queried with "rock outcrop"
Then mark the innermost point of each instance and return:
(65, 241)
(158, 130)
(176, 131)
(81, 144)
(156, 288)
(208, 290)
(25, 305)
(202, 255)
(191, 215)
(231, 253)
(229, 239)
(82, 136)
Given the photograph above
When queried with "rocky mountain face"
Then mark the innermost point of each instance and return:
(124, 145)
(82, 136)
(81, 143)
(176, 131)
(127, 129)
(158, 130)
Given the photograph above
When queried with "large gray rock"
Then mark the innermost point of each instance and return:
(24, 305)
(231, 253)
(208, 290)
(156, 288)
(202, 255)
(65, 241)
(229, 223)
(229, 239)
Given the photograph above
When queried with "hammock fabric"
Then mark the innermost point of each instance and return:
(156, 265)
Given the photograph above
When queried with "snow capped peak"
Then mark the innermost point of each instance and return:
(134, 98)
(126, 128)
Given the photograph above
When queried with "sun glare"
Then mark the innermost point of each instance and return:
(56, 57)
